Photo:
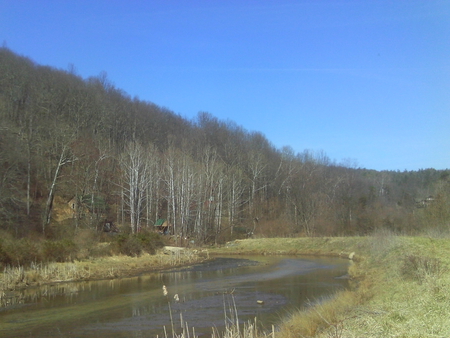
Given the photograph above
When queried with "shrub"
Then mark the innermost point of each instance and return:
(100, 250)
(86, 241)
(135, 244)
(150, 241)
(132, 246)
(419, 267)
(20, 252)
(4, 257)
(17, 252)
(61, 230)
(126, 245)
(59, 251)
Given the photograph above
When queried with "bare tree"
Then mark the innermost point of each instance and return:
(256, 166)
(235, 190)
(136, 177)
(169, 178)
(65, 157)
(152, 185)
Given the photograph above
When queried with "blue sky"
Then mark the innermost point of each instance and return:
(367, 82)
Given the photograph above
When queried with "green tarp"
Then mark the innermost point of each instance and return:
(160, 222)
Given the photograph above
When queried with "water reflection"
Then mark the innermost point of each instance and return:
(131, 307)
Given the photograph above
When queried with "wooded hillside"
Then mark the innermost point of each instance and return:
(79, 152)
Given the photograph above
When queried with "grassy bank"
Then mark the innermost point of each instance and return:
(400, 286)
(12, 278)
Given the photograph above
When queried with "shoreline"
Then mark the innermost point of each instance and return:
(399, 285)
(14, 279)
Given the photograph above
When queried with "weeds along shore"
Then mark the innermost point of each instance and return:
(400, 286)
(13, 278)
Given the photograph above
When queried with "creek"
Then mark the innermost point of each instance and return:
(265, 287)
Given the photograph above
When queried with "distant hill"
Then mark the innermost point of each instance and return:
(107, 156)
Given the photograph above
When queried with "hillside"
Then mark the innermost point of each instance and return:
(76, 152)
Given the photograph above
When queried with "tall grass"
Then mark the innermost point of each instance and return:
(16, 277)
(232, 326)
(399, 286)
(401, 290)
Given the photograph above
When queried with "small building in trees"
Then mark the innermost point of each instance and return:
(162, 226)
(68, 209)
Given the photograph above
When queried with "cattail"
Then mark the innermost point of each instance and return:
(165, 290)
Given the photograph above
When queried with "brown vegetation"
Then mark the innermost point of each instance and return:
(17, 277)
(76, 152)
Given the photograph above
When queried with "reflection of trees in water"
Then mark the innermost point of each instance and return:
(52, 291)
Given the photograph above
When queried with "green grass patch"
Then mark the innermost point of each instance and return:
(400, 286)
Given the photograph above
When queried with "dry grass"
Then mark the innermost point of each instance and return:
(13, 278)
(323, 246)
(412, 294)
(401, 286)
(233, 328)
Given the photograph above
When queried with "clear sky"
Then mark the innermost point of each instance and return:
(365, 81)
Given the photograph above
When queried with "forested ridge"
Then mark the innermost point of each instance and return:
(76, 152)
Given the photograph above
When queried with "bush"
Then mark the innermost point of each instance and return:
(25, 251)
(419, 267)
(59, 231)
(87, 243)
(131, 246)
(150, 241)
(4, 257)
(20, 252)
(100, 250)
(135, 244)
(17, 252)
(59, 251)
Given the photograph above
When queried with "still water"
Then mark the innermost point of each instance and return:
(136, 307)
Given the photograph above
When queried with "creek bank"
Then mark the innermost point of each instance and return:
(16, 278)
(137, 303)
(342, 247)
(399, 286)
(316, 318)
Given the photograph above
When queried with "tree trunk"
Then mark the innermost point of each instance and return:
(49, 205)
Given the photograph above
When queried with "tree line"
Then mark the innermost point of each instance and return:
(87, 144)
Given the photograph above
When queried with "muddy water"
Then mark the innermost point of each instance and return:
(136, 307)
